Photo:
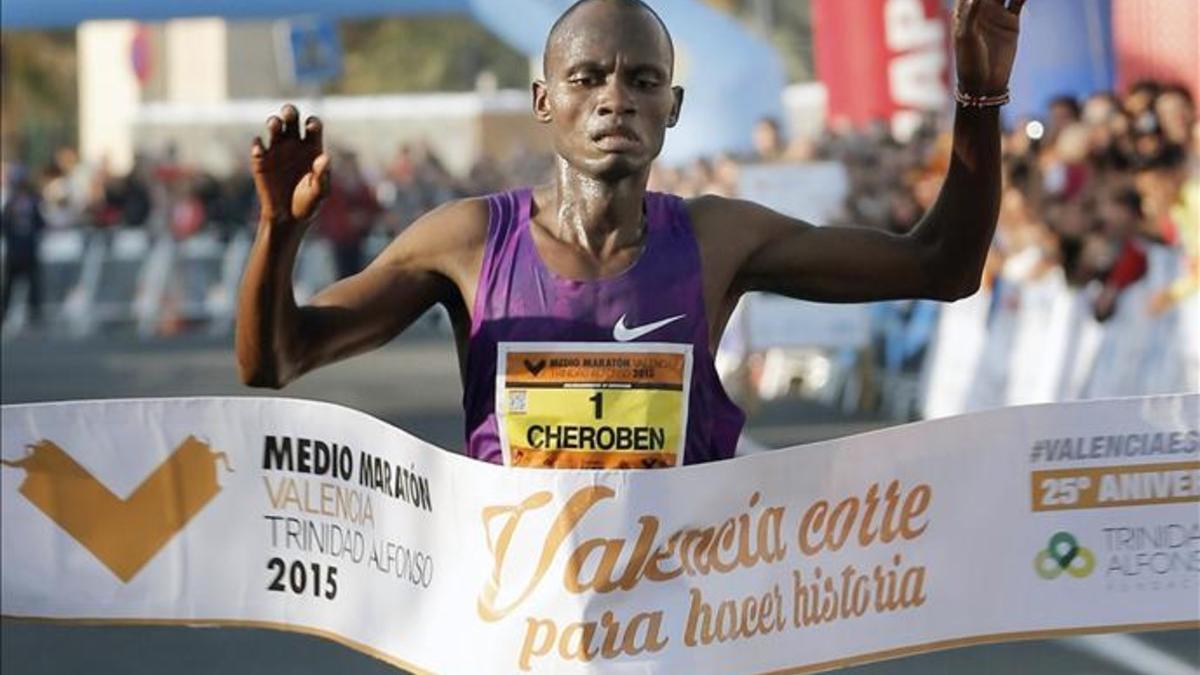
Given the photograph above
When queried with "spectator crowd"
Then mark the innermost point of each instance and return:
(163, 195)
(1090, 191)
(1086, 190)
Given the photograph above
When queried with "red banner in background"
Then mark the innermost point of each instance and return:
(1157, 39)
(882, 59)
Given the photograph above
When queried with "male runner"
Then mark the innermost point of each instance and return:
(587, 311)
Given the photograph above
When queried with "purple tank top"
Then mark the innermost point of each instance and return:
(612, 373)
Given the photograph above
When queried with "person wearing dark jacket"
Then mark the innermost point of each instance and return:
(21, 225)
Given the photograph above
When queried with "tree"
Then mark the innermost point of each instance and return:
(786, 23)
(436, 53)
(39, 95)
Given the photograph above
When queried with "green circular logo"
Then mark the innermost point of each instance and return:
(1064, 554)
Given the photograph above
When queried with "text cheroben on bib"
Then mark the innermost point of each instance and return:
(596, 405)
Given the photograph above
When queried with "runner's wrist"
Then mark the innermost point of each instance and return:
(267, 219)
(282, 228)
(980, 96)
(281, 237)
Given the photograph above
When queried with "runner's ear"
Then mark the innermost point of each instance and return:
(677, 108)
(541, 102)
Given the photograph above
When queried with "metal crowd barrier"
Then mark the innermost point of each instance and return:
(103, 280)
(97, 280)
(1038, 342)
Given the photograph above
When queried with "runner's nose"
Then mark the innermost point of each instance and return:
(615, 99)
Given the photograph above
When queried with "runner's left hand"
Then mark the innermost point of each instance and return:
(985, 44)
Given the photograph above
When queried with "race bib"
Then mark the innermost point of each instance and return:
(593, 405)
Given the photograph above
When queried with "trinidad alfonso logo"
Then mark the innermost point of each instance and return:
(1064, 554)
(123, 534)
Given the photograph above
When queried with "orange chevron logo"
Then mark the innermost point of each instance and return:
(123, 534)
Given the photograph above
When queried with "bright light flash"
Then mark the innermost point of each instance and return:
(1035, 130)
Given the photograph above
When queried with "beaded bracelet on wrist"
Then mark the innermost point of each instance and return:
(973, 101)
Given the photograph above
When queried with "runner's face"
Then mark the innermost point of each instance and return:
(607, 95)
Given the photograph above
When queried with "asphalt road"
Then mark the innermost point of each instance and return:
(414, 384)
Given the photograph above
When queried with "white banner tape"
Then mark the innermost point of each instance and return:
(1017, 523)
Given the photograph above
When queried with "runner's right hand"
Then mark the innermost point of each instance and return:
(291, 175)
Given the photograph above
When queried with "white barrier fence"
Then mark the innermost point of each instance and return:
(94, 279)
(1032, 342)
(1018, 523)
(1037, 341)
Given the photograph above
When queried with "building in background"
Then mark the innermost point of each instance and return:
(204, 87)
(201, 63)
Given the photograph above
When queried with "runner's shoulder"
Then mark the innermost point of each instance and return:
(703, 209)
(455, 230)
(723, 221)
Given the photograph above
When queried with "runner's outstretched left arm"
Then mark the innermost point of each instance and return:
(943, 256)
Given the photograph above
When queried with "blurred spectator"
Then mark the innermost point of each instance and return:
(1176, 113)
(769, 144)
(187, 214)
(903, 211)
(56, 203)
(1140, 98)
(346, 217)
(1100, 107)
(67, 191)
(21, 224)
(1160, 181)
(236, 205)
(1066, 167)
(664, 178)
(1063, 112)
(724, 176)
(1105, 180)
(136, 199)
(1121, 217)
(104, 197)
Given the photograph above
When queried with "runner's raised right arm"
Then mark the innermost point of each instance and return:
(276, 340)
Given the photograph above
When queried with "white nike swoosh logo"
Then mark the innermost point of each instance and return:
(623, 333)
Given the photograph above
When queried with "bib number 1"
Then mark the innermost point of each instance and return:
(593, 405)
